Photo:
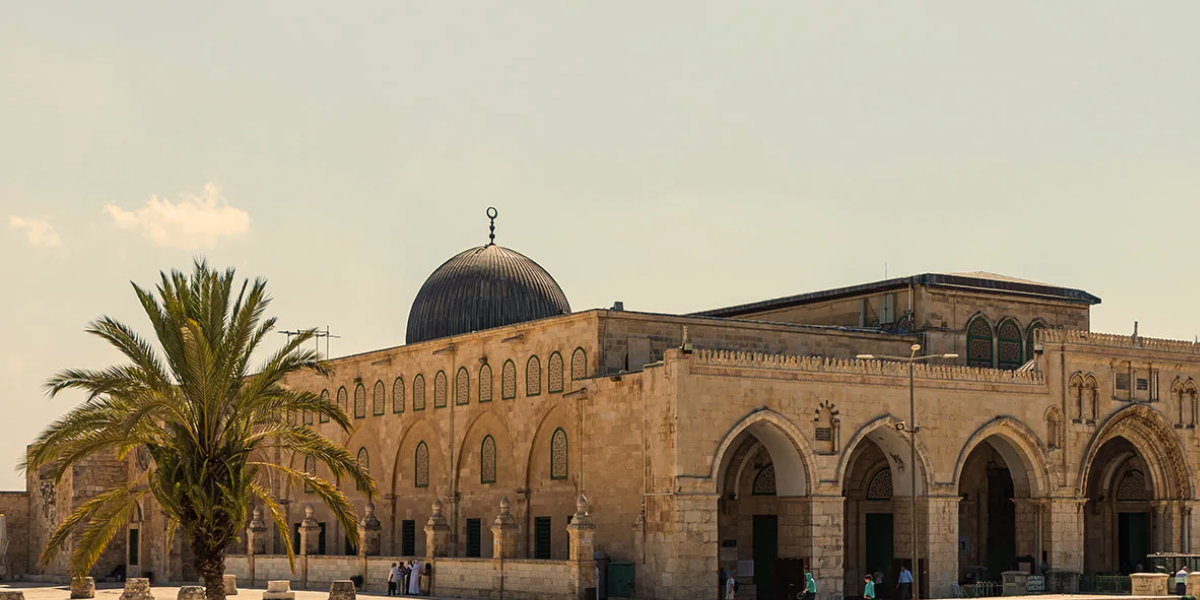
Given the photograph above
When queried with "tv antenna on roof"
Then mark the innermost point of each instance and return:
(317, 335)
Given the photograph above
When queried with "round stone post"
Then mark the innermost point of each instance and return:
(309, 530)
(437, 533)
(504, 532)
(372, 532)
(256, 541)
(83, 587)
(582, 532)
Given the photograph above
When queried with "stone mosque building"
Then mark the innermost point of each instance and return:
(721, 441)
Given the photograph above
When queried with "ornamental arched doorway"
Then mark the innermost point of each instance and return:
(763, 505)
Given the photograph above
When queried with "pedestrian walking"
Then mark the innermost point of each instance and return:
(868, 587)
(810, 587)
(730, 586)
(1181, 581)
(905, 583)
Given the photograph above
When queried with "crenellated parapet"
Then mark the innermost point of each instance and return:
(884, 368)
(1110, 340)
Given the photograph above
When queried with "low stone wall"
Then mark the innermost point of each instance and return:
(514, 579)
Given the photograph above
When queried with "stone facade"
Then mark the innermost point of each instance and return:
(720, 441)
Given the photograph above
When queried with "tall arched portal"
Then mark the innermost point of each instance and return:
(763, 507)
(1119, 518)
(1136, 483)
(877, 485)
(996, 522)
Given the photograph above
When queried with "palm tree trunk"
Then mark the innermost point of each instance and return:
(210, 565)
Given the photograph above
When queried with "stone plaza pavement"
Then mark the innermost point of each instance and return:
(112, 591)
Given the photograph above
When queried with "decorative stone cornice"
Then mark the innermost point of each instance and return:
(881, 368)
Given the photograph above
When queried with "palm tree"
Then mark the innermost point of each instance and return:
(210, 424)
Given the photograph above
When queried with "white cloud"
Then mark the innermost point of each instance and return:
(192, 223)
(39, 231)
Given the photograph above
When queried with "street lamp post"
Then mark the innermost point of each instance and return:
(912, 359)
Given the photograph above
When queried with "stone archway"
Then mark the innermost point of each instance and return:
(876, 475)
(1000, 475)
(1135, 482)
(762, 481)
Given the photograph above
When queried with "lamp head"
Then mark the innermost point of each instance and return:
(916, 347)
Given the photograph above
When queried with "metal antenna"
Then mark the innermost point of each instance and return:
(492, 213)
(317, 335)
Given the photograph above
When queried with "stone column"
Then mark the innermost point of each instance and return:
(582, 533)
(1064, 525)
(437, 533)
(940, 546)
(309, 530)
(827, 520)
(795, 528)
(372, 533)
(504, 533)
(390, 546)
(1027, 518)
(256, 540)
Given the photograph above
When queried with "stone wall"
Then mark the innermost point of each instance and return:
(15, 507)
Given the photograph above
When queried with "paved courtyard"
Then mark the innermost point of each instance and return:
(112, 591)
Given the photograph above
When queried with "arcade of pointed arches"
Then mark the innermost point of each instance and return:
(1134, 482)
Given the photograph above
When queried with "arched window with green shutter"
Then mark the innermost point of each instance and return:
(398, 395)
(341, 397)
(360, 401)
(559, 465)
(379, 401)
(554, 375)
(485, 383)
(439, 390)
(421, 466)
(487, 460)
(508, 380)
(418, 392)
(1010, 348)
(364, 463)
(979, 343)
(533, 376)
(462, 387)
(324, 398)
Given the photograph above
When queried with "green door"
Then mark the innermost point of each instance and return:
(880, 528)
(1133, 539)
(766, 550)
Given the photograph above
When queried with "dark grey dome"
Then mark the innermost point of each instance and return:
(482, 288)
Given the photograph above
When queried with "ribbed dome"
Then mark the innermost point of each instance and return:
(482, 288)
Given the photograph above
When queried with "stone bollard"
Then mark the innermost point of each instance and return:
(342, 590)
(279, 590)
(1193, 584)
(1149, 584)
(191, 592)
(83, 587)
(1015, 583)
(12, 595)
(231, 585)
(137, 588)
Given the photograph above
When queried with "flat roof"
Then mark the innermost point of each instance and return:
(976, 281)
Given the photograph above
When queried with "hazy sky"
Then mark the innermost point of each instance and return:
(677, 156)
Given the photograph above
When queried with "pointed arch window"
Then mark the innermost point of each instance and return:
(342, 399)
(379, 401)
(979, 343)
(1189, 397)
(398, 395)
(1091, 397)
(508, 381)
(360, 402)
(310, 469)
(1010, 348)
(419, 392)
(1031, 339)
(578, 365)
(554, 378)
(307, 417)
(485, 383)
(421, 466)
(764, 482)
(462, 387)
(364, 463)
(1075, 389)
(558, 454)
(1054, 428)
(439, 390)
(487, 460)
(325, 400)
(533, 376)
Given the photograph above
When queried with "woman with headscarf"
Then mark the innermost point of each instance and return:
(810, 586)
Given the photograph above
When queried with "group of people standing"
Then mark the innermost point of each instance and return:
(409, 579)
